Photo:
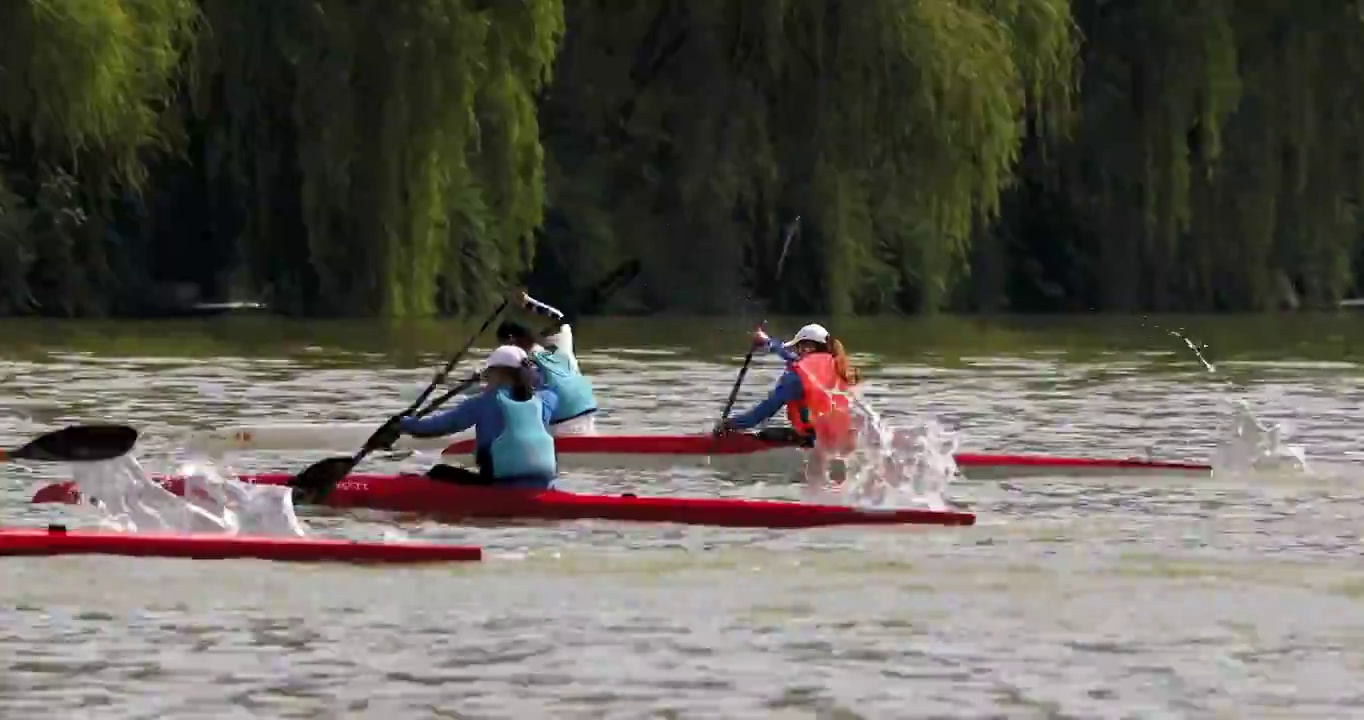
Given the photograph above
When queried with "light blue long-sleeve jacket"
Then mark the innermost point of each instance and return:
(521, 456)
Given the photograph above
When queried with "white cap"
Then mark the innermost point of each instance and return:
(507, 356)
(813, 332)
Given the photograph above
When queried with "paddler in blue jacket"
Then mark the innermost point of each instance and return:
(511, 424)
(557, 368)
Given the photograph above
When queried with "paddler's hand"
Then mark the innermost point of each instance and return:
(518, 297)
(722, 427)
(760, 338)
(385, 436)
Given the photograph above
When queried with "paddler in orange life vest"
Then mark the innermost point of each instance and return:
(815, 390)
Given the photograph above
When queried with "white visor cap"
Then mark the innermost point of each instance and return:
(813, 332)
(507, 356)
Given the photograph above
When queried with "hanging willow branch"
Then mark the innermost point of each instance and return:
(410, 146)
(359, 157)
(893, 124)
(84, 92)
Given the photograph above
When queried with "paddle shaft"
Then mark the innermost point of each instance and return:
(440, 376)
(734, 391)
(448, 394)
(318, 479)
(598, 294)
(449, 366)
(752, 348)
(445, 397)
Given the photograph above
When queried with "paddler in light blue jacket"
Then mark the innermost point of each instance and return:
(511, 424)
(558, 369)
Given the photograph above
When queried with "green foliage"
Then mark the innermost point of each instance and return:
(359, 157)
(91, 75)
(893, 126)
(84, 86)
(406, 132)
(1219, 156)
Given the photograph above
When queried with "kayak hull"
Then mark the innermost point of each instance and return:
(979, 466)
(447, 501)
(58, 541)
(739, 453)
(303, 436)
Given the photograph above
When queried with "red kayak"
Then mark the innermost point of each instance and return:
(739, 452)
(751, 452)
(57, 540)
(418, 494)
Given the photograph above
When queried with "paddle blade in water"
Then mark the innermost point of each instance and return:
(318, 479)
(78, 443)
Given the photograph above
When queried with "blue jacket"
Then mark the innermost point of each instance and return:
(788, 389)
(522, 455)
(776, 347)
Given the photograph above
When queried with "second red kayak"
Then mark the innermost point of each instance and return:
(418, 494)
(742, 450)
(57, 540)
(737, 452)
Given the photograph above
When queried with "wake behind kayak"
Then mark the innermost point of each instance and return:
(210, 517)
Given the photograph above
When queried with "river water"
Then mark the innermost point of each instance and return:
(1225, 597)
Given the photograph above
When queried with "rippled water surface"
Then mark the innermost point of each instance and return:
(1140, 597)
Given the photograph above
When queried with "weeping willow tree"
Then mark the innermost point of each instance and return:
(357, 156)
(1217, 162)
(1284, 200)
(687, 132)
(385, 155)
(84, 90)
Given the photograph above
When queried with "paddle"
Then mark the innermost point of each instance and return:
(77, 443)
(318, 479)
(596, 296)
(789, 235)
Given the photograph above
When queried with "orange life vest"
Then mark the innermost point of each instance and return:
(823, 410)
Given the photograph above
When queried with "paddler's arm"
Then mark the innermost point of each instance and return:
(539, 376)
(788, 389)
(532, 305)
(561, 344)
(457, 419)
(558, 339)
(549, 402)
(561, 340)
(539, 308)
(774, 346)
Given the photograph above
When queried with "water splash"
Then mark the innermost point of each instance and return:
(1246, 443)
(129, 499)
(1249, 445)
(889, 466)
(1197, 350)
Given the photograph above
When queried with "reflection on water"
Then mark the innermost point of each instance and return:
(1081, 598)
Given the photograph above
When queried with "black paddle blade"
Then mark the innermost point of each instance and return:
(607, 286)
(318, 479)
(78, 443)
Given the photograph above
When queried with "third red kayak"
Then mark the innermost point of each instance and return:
(741, 453)
(752, 453)
(57, 540)
(418, 494)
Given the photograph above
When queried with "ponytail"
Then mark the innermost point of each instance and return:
(523, 382)
(843, 364)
